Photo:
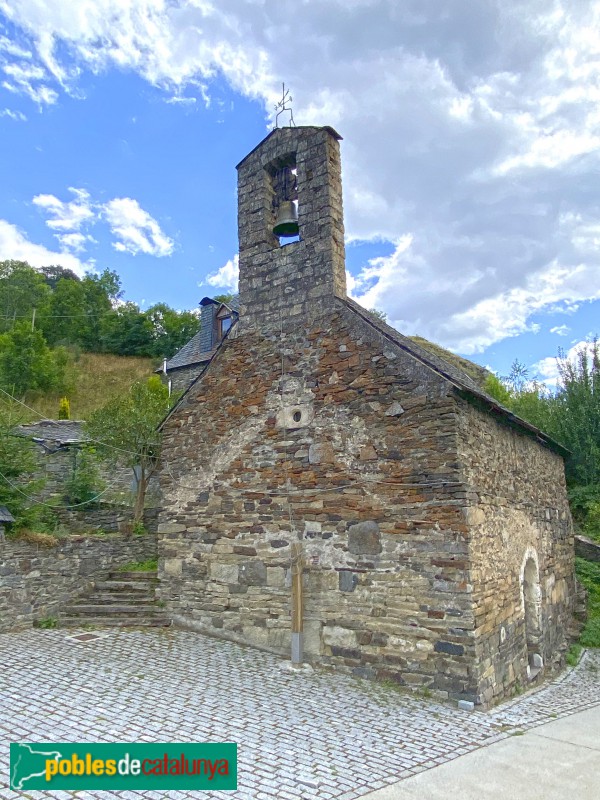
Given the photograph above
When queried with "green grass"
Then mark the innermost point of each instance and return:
(475, 371)
(46, 623)
(140, 566)
(96, 378)
(588, 573)
(573, 655)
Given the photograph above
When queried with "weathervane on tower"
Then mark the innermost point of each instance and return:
(282, 106)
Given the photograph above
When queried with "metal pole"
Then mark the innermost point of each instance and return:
(33, 320)
(297, 604)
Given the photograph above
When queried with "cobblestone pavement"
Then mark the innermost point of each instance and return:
(300, 736)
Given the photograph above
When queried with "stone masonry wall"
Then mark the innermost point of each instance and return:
(181, 377)
(297, 281)
(113, 511)
(56, 468)
(331, 434)
(517, 509)
(36, 582)
(106, 517)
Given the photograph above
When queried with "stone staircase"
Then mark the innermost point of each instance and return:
(124, 599)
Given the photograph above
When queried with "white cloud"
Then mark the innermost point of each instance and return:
(135, 230)
(18, 116)
(15, 245)
(11, 48)
(560, 330)
(69, 216)
(474, 132)
(548, 369)
(26, 78)
(74, 242)
(226, 277)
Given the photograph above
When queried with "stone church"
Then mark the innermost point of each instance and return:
(436, 536)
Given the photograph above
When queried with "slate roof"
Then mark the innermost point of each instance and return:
(54, 432)
(5, 515)
(191, 352)
(450, 372)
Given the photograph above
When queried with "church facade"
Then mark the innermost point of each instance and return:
(435, 530)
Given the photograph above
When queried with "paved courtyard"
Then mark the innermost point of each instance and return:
(300, 736)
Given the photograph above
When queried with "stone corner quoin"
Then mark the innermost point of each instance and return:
(436, 535)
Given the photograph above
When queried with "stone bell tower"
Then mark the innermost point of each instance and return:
(283, 282)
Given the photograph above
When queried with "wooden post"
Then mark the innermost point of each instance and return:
(297, 604)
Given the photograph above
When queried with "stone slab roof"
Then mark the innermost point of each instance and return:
(463, 382)
(191, 353)
(54, 432)
(5, 515)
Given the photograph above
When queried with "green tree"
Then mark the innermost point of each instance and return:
(571, 416)
(65, 321)
(28, 364)
(125, 431)
(17, 463)
(84, 483)
(126, 331)
(494, 386)
(170, 329)
(224, 298)
(101, 293)
(22, 289)
(54, 273)
(576, 418)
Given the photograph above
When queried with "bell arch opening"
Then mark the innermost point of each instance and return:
(284, 199)
(532, 606)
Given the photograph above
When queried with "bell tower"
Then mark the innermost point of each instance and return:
(291, 228)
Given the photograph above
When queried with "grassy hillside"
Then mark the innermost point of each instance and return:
(96, 378)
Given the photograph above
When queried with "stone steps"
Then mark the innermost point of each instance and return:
(126, 586)
(121, 598)
(101, 609)
(114, 622)
(126, 599)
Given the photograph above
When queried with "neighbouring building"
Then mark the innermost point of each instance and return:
(216, 319)
(435, 527)
(59, 447)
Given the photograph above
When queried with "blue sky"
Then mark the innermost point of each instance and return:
(470, 153)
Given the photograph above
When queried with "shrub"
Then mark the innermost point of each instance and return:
(84, 483)
(64, 408)
(588, 573)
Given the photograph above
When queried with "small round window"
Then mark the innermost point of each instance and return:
(297, 416)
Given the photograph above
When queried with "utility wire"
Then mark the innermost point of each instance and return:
(44, 418)
(52, 505)
(287, 492)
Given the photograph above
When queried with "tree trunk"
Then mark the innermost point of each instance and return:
(140, 498)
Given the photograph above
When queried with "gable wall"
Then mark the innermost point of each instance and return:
(386, 578)
(518, 507)
(181, 377)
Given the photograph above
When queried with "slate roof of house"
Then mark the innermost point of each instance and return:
(452, 373)
(5, 515)
(191, 352)
(54, 432)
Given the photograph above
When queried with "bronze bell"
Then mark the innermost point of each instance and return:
(286, 223)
